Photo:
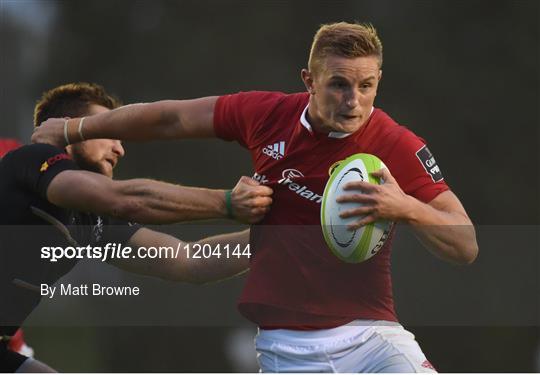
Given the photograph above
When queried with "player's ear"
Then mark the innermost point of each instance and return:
(307, 78)
(380, 74)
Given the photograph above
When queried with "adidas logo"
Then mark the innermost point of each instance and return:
(276, 151)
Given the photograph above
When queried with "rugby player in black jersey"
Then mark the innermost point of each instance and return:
(17, 342)
(67, 197)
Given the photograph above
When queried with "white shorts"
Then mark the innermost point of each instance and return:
(360, 346)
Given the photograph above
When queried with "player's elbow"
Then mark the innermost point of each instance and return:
(465, 246)
(467, 254)
(472, 253)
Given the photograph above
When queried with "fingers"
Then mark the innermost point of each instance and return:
(360, 185)
(263, 190)
(259, 205)
(50, 131)
(261, 201)
(258, 191)
(379, 173)
(248, 181)
(360, 223)
(355, 198)
(366, 215)
(253, 187)
(251, 200)
(359, 211)
(384, 174)
(374, 201)
(256, 214)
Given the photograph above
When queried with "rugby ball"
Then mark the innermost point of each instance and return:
(361, 244)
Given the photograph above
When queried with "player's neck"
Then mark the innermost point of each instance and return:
(315, 121)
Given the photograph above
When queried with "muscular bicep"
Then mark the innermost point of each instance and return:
(83, 191)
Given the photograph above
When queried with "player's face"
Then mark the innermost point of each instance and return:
(342, 92)
(97, 155)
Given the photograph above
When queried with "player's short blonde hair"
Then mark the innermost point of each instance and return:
(346, 40)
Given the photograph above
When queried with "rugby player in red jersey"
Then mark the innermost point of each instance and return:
(316, 313)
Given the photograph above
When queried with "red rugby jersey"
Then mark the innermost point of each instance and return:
(295, 281)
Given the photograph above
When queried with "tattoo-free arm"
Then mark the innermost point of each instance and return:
(140, 200)
(442, 225)
(444, 228)
(167, 119)
(183, 268)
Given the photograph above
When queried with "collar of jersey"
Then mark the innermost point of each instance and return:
(305, 123)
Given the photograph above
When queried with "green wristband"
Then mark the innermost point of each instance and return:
(228, 204)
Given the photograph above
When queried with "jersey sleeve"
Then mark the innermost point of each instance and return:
(36, 165)
(415, 169)
(238, 117)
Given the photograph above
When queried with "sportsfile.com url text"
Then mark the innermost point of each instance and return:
(118, 251)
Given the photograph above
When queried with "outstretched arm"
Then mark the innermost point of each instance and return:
(186, 268)
(167, 119)
(154, 202)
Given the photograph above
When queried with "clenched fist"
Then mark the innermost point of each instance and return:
(250, 200)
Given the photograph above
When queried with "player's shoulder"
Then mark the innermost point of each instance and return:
(269, 97)
(385, 123)
(389, 129)
(33, 154)
(35, 149)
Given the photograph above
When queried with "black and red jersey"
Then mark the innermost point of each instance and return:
(25, 175)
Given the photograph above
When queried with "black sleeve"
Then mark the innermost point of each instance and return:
(118, 231)
(36, 165)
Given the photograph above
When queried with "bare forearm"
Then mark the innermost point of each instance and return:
(136, 122)
(168, 119)
(448, 235)
(184, 268)
(155, 202)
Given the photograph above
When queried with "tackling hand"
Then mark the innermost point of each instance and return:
(250, 200)
(50, 131)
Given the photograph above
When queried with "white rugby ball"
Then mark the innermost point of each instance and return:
(361, 244)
